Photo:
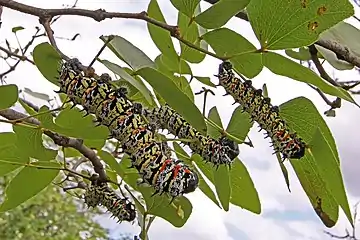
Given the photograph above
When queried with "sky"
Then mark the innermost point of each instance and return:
(284, 215)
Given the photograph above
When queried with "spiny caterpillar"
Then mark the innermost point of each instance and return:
(100, 194)
(260, 109)
(222, 151)
(114, 110)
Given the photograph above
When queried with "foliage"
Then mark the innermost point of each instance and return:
(287, 27)
(49, 215)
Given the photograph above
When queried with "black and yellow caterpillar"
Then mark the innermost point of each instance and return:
(260, 109)
(221, 151)
(99, 194)
(128, 126)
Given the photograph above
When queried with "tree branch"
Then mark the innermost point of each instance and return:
(46, 15)
(10, 53)
(60, 140)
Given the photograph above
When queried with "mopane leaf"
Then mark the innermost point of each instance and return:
(111, 161)
(47, 60)
(28, 183)
(174, 97)
(205, 80)
(127, 52)
(176, 65)
(9, 153)
(215, 117)
(187, 7)
(283, 66)
(291, 24)
(302, 54)
(239, 49)
(222, 185)
(220, 13)
(8, 95)
(30, 141)
(190, 31)
(243, 191)
(18, 28)
(160, 36)
(319, 175)
(127, 77)
(240, 124)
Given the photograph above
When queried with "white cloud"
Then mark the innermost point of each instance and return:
(207, 221)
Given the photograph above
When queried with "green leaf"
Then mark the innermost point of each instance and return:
(303, 54)
(283, 66)
(283, 170)
(18, 28)
(331, 57)
(30, 141)
(72, 123)
(9, 153)
(183, 84)
(111, 161)
(220, 13)
(215, 117)
(327, 160)
(7, 138)
(187, 7)
(127, 77)
(28, 183)
(314, 186)
(27, 108)
(205, 80)
(47, 60)
(160, 36)
(325, 166)
(8, 95)
(243, 191)
(242, 53)
(190, 32)
(174, 97)
(176, 65)
(175, 213)
(205, 168)
(203, 186)
(127, 52)
(239, 124)
(296, 23)
(222, 185)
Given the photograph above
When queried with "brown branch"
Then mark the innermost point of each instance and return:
(20, 57)
(60, 140)
(46, 15)
(342, 52)
(313, 53)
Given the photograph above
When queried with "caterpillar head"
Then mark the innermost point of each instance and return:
(232, 148)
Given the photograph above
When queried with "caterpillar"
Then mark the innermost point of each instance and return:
(113, 109)
(260, 109)
(100, 194)
(221, 151)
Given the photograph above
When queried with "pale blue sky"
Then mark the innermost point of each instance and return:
(284, 215)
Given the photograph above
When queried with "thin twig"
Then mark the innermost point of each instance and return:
(61, 141)
(21, 57)
(101, 50)
(313, 52)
